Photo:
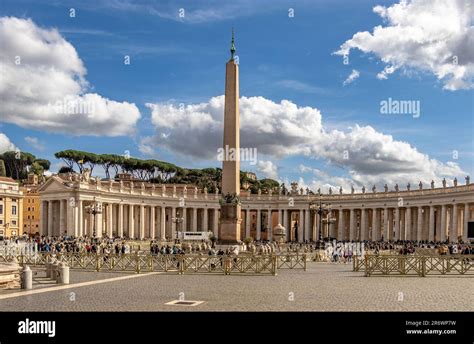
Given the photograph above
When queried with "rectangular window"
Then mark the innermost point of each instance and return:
(1, 208)
(32, 217)
(13, 209)
(14, 222)
(1, 222)
(29, 209)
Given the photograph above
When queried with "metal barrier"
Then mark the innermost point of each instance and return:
(181, 263)
(418, 265)
(358, 263)
(292, 261)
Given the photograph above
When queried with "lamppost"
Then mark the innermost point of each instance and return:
(94, 209)
(321, 208)
(177, 220)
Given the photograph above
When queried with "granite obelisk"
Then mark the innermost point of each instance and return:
(230, 203)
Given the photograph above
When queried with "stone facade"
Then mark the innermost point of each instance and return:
(143, 210)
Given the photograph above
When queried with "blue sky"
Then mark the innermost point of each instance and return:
(177, 60)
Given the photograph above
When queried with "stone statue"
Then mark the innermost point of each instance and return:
(205, 190)
(86, 174)
(340, 190)
(455, 181)
(420, 185)
(467, 180)
(142, 186)
(363, 189)
(301, 191)
(374, 189)
(352, 189)
(397, 188)
(294, 188)
(163, 189)
(307, 190)
(444, 182)
(131, 186)
(330, 191)
(270, 192)
(217, 191)
(195, 191)
(319, 191)
(174, 190)
(408, 186)
(259, 191)
(385, 187)
(432, 184)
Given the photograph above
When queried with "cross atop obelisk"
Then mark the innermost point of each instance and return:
(230, 206)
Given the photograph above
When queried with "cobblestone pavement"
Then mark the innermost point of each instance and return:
(324, 287)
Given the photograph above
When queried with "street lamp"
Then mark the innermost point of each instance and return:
(177, 220)
(321, 208)
(94, 209)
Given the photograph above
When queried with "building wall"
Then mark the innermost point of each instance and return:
(11, 212)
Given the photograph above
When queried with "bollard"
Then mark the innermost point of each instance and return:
(55, 271)
(63, 273)
(26, 278)
(48, 269)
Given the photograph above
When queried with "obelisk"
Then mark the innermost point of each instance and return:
(230, 203)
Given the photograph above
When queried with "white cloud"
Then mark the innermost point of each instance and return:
(268, 169)
(283, 129)
(146, 149)
(354, 75)
(434, 36)
(34, 142)
(43, 85)
(6, 144)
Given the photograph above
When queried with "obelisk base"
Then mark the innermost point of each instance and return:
(229, 232)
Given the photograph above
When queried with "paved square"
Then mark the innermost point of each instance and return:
(324, 287)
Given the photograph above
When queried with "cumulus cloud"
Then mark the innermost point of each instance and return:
(268, 169)
(276, 129)
(354, 75)
(6, 144)
(34, 142)
(43, 85)
(283, 129)
(434, 36)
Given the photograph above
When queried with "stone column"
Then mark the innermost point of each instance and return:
(173, 224)
(280, 216)
(307, 225)
(285, 224)
(318, 229)
(397, 224)
(205, 225)
(120, 221)
(50, 218)
(402, 224)
(99, 222)
(62, 211)
(466, 219)
(131, 222)
(363, 225)
(194, 227)
(185, 220)
(375, 227)
(80, 217)
(419, 224)
(300, 226)
(408, 227)
(453, 233)
(331, 227)
(340, 225)
(352, 235)
(269, 225)
(259, 225)
(152, 222)
(42, 223)
(163, 222)
(314, 230)
(110, 211)
(431, 228)
(216, 223)
(385, 225)
(247, 223)
(443, 224)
